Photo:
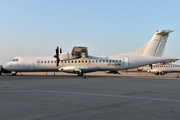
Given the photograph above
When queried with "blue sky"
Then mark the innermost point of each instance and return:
(36, 27)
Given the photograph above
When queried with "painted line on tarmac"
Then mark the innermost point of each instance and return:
(94, 94)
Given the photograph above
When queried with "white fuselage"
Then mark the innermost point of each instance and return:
(90, 64)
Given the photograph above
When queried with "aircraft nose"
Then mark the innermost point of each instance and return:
(6, 66)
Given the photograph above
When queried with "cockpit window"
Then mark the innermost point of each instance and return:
(15, 60)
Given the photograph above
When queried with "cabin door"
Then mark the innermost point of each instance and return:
(126, 62)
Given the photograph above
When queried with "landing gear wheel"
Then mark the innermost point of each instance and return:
(80, 74)
(13, 73)
(157, 73)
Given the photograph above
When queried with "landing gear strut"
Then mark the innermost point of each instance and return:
(80, 74)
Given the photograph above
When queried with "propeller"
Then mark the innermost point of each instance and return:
(57, 55)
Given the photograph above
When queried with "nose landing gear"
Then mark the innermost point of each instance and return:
(13, 73)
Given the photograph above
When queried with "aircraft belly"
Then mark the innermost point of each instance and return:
(89, 68)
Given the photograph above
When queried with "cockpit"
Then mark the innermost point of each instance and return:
(15, 60)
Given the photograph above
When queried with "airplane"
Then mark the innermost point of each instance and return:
(159, 69)
(79, 66)
(164, 69)
(79, 62)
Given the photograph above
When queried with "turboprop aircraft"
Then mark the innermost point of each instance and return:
(79, 62)
(164, 69)
(159, 69)
(79, 65)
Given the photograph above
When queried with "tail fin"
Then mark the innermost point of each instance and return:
(155, 47)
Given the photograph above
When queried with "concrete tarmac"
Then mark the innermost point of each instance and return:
(98, 97)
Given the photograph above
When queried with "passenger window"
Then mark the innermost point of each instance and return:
(72, 61)
(51, 61)
(44, 61)
(99, 60)
(54, 61)
(86, 61)
(106, 60)
(92, 60)
(48, 62)
(41, 61)
(79, 61)
(89, 61)
(82, 61)
(75, 61)
(109, 60)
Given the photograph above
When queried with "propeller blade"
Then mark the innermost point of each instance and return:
(57, 56)
(57, 61)
(57, 51)
(151, 66)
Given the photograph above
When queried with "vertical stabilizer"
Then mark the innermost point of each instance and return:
(155, 47)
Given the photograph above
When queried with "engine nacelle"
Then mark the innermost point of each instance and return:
(68, 69)
(84, 69)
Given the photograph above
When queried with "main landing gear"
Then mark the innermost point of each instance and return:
(81, 74)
